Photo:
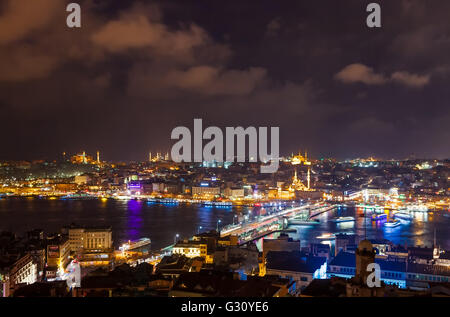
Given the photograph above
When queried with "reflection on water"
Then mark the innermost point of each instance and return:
(417, 231)
(129, 220)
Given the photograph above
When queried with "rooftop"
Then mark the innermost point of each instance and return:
(294, 261)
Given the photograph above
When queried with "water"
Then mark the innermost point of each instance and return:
(136, 219)
(418, 231)
(129, 220)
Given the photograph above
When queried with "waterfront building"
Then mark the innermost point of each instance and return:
(82, 179)
(234, 193)
(205, 190)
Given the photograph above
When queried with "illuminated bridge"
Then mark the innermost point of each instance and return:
(269, 224)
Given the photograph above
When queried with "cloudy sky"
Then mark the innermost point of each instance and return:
(137, 69)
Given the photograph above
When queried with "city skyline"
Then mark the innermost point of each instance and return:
(223, 154)
(135, 70)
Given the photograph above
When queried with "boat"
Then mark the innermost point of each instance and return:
(344, 219)
(376, 217)
(403, 215)
(326, 236)
(392, 223)
(299, 222)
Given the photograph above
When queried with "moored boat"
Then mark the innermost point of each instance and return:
(392, 223)
(326, 236)
(403, 215)
(377, 217)
(344, 219)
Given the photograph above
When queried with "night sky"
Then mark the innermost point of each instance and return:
(137, 69)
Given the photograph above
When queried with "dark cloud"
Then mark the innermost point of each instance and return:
(137, 69)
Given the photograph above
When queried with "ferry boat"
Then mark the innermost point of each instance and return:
(344, 219)
(326, 236)
(300, 222)
(403, 215)
(392, 223)
(377, 217)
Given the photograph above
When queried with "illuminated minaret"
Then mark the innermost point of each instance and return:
(166, 158)
(98, 157)
(309, 177)
(436, 251)
(150, 156)
(84, 157)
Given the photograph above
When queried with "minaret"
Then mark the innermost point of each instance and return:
(150, 156)
(84, 157)
(309, 177)
(98, 157)
(435, 248)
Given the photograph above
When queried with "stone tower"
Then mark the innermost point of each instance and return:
(365, 255)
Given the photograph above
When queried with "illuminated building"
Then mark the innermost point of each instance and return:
(234, 193)
(83, 158)
(193, 249)
(297, 184)
(58, 251)
(92, 246)
(205, 190)
(23, 271)
(82, 179)
(299, 159)
(90, 239)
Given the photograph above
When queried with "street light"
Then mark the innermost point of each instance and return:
(176, 238)
(198, 230)
(218, 221)
(235, 216)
